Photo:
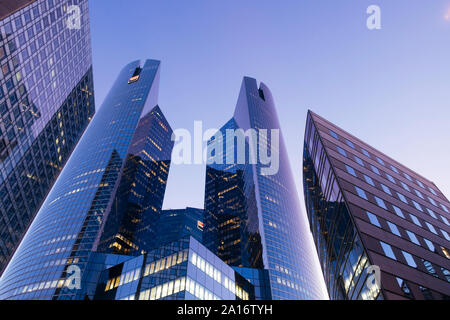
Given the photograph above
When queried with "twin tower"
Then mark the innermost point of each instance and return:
(102, 234)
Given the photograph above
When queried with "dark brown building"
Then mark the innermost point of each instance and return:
(366, 209)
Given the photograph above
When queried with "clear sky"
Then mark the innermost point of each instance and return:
(389, 87)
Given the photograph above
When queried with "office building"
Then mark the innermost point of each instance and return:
(46, 102)
(369, 212)
(67, 228)
(253, 217)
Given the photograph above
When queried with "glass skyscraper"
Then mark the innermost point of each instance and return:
(67, 227)
(46, 102)
(252, 219)
(381, 230)
(130, 226)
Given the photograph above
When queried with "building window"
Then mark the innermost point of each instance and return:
(420, 184)
(431, 213)
(380, 161)
(430, 245)
(405, 186)
(350, 144)
(418, 206)
(334, 134)
(365, 152)
(419, 194)
(398, 212)
(432, 191)
(350, 170)
(445, 208)
(415, 220)
(432, 201)
(373, 219)
(375, 170)
(380, 203)
(391, 178)
(361, 193)
(404, 286)
(342, 151)
(445, 252)
(359, 161)
(446, 235)
(412, 237)
(369, 180)
(431, 227)
(402, 197)
(409, 259)
(446, 274)
(394, 229)
(445, 220)
(386, 189)
(394, 169)
(407, 176)
(429, 266)
(387, 249)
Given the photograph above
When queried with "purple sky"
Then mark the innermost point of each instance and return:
(390, 87)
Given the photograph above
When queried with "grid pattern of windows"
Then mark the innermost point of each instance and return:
(399, 202)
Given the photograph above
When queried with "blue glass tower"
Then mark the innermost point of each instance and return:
(46, 103)
(67, 227)
(137, 205)
(253, 219)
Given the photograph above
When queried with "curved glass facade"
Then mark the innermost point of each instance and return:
(46, 103)
(262, 209)
(66, 228)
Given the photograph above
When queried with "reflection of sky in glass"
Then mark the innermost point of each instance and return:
(382, 86)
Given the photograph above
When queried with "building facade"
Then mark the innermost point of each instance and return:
(369, 212)
(137, 206)
(181, 270)
(253, 219)
(67, 227)
(46, 102)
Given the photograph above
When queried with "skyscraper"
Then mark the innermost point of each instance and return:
(46, 102)
(369, 213)
(67, 227)
(130, 227)
(253, 218)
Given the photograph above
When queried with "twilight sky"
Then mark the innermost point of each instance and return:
(389, 87)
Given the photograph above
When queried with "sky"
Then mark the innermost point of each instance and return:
(389, 87)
